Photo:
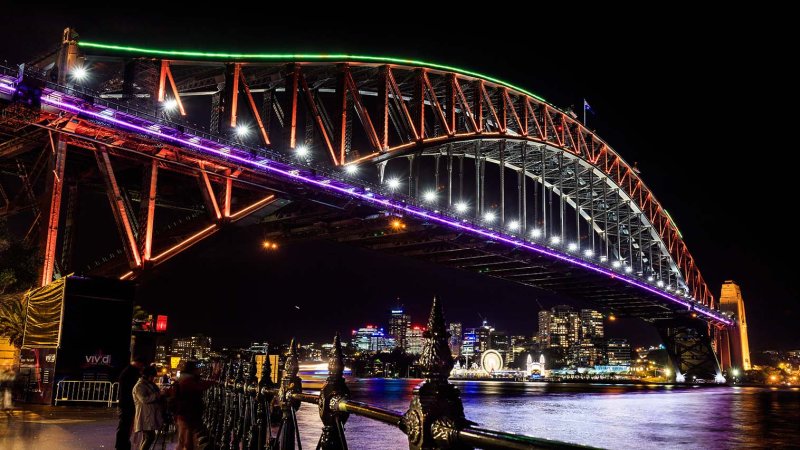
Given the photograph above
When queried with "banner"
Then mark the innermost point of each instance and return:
(43, 316)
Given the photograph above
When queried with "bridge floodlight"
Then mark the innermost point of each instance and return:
(650, 278)
(393, 183)
(513, 225)
(429, 196)
(616, 264)
(669, 288)
(555, 240)
(79, 73)
(588, 253)
(660, 283)
(572, 246)
(351, 169)
(536, 233)
(603, 258)
(301, 151)
(628, 269)
(461, 207)
(242, 130)
(489, 216)
(170, 104)
(735, 372)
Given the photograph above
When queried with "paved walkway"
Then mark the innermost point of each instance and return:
(32, 427)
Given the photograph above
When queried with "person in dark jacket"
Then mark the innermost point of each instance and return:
(189, 397)
(127, 409)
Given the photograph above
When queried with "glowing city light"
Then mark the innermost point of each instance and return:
(429, 196)
(393, 184)
(660, 283)
(628, 269)
(603, 258)
(588, 253)
(268, 245)
(80, 73)
(735, 372)
(351, 169)
(170, 104)
(572, 246)
(397, 224)
(616, 264)
(242, 130)
(650, 278)
(489, 216)
(301, 151)
(612, 317)
(513, 225)
(536, 233)
(461, 207)
(555, 240)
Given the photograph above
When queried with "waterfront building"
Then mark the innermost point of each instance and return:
(193, 347)
(618, 352)
(369, 339)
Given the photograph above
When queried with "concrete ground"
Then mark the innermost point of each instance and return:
(60, 427)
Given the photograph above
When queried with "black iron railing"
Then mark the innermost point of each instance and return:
(241, 412)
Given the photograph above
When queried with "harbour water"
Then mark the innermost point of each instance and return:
(608, 416)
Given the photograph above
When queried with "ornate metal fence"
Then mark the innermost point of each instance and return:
(242, 412)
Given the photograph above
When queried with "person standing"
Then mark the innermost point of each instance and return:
(147, 398)
(127, 380)
(189, 409)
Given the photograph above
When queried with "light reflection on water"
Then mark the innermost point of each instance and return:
(610, 416)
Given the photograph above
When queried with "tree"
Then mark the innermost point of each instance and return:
(12, 317)
(17, 262)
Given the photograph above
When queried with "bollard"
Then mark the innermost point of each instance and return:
(334, 391)
(290, 384)
(436, 412)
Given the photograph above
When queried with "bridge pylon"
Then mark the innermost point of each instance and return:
(734, 346)
(689, 346)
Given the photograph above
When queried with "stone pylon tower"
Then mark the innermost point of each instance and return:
(731, 301)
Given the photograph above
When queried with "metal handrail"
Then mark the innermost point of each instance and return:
(470, 435)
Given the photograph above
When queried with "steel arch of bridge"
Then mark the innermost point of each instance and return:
(409, 108)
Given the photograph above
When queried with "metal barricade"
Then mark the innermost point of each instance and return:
(87, 391)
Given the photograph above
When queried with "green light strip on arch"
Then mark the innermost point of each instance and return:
(303, 56)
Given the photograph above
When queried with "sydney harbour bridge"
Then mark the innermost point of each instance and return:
(399, 156)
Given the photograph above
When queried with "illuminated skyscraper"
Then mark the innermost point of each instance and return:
(399, 322)
(455, 338)
(414, 340)
(591, 324)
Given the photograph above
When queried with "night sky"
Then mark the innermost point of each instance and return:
(704, 111)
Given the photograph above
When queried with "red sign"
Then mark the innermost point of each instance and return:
(161, 323)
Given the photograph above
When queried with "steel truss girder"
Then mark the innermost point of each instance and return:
(477, 108)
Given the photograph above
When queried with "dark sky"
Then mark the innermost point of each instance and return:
(702, 104)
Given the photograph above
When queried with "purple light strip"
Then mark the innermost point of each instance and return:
(350, 190)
